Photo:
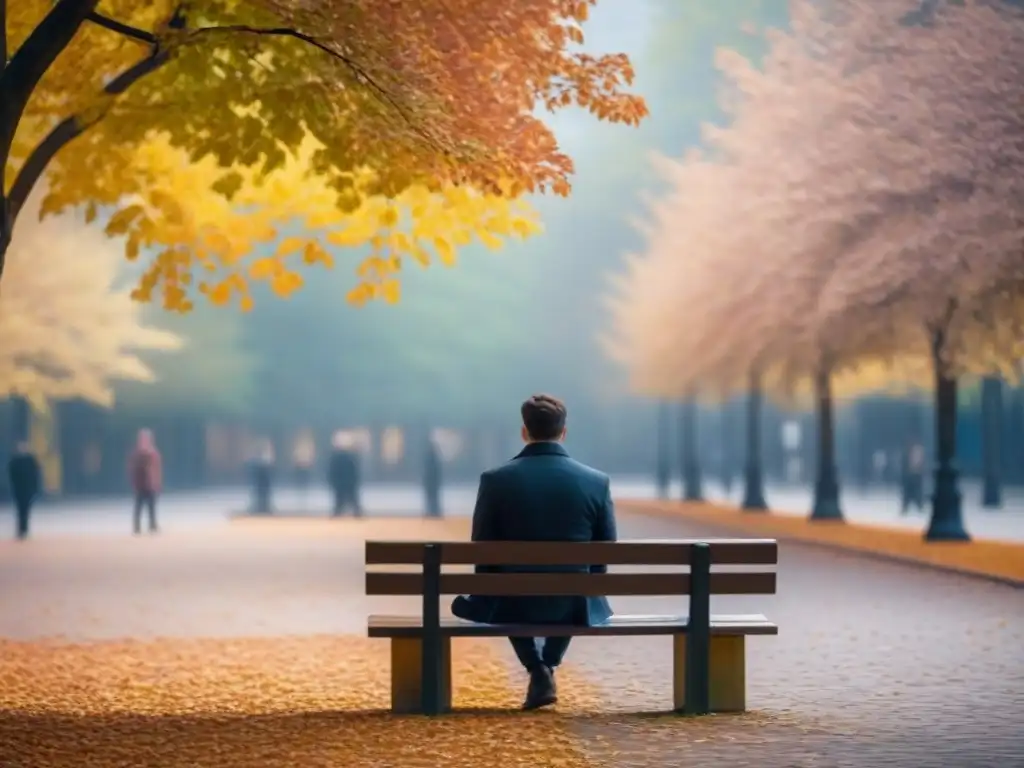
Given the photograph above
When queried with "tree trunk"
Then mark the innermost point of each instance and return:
(692, 490)
(663, 467)
(753, 491)
(947, 523)
(826, 484)
(992, 442)
(725, 427)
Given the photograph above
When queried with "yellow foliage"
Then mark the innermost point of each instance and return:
(230, 243)
(68, 330)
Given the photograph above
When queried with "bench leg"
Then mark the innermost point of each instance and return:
(727, 676)
(407, 675)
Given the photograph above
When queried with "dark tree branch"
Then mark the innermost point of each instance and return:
(134, 33)
(3, 35)
(26, 68)
(72, 127)
(360, 73)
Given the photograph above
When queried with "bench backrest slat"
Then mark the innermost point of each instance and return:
(582, 584)
(540, 553)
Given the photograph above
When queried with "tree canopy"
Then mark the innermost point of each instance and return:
(70, 330)
(885, 223)
(434, 106)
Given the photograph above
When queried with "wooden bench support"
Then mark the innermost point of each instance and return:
(727, 676)
(407, 675)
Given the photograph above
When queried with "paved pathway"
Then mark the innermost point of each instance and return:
(207, 508)
(876, 665)
(878, 506)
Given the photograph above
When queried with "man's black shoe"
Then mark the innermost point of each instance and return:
(542, 691)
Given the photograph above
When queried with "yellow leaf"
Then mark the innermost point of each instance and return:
(264, 268)
(359, 295)
(122, 220)
(391, 291)
(131, 248)
(400, 241)
(489, 240)
(290, 245)
(445, 251)
(246, 303)
(220, 295)
(348, 237)
(524, 227)
(314, 254)
(420, 254)
(286, 283)
(389, 217)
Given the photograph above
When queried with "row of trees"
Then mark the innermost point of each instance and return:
(857, 222)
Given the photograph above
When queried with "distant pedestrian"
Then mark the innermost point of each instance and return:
(879, 465)
(303, 459)
(145, 473)
(26, 482)
(262, 468)
(343, 475)
(912, 479)
(432, 478)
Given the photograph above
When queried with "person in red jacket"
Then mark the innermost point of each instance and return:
(145, 472)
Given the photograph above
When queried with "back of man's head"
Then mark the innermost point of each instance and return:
(543, 418)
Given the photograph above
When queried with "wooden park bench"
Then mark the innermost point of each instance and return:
(709, 656)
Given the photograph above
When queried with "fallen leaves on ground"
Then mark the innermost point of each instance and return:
(264, 702)
(1004, 560)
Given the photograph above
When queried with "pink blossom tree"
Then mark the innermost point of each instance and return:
(862, 206)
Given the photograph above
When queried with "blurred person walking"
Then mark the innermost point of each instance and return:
(432, 478)
(303, 459)
(912, 479)
(343, 475)
(145, 473)
(262, 468)
(26, 482)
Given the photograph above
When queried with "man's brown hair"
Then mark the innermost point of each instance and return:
(544, 417)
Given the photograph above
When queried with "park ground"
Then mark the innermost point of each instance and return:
(241, 643)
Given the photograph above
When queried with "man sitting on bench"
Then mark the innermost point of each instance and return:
(541, 495)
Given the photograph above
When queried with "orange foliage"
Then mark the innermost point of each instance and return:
(428, 94)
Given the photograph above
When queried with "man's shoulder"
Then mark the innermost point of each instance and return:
(517, 466)
(590, 473)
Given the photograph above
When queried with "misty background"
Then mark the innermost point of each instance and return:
(467, 344)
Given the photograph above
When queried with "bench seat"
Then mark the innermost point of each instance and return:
(727, 653)
(412, 627)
